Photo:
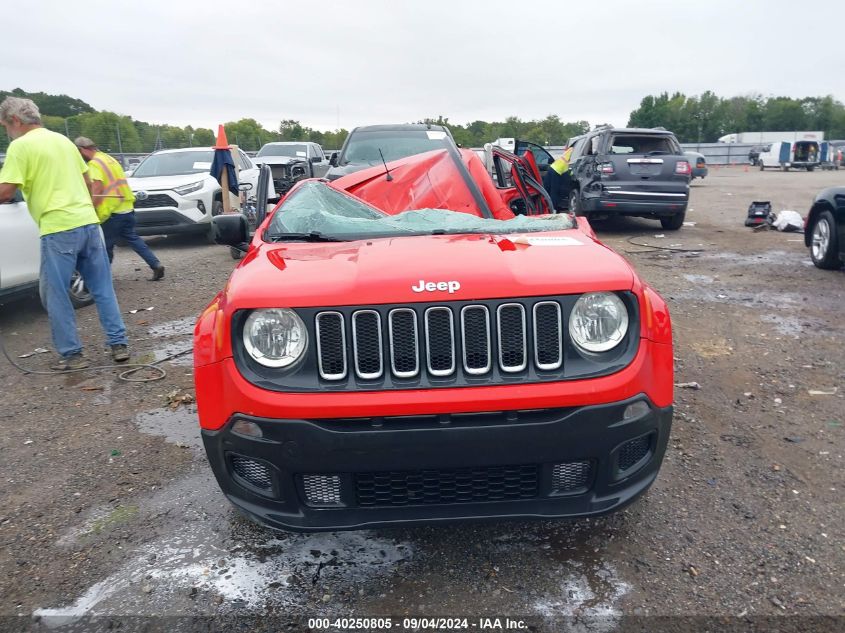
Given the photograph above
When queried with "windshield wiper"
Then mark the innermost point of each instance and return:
(312, 236)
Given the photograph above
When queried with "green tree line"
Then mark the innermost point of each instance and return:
(706, 117)
(699, 118)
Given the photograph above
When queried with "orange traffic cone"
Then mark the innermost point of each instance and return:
(222, 142)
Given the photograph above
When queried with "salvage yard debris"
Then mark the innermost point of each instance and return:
(37, 350)
(688, 385)
(177, 397)
(136, 310)
(822, 392)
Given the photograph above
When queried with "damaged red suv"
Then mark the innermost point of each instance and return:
(401, 347)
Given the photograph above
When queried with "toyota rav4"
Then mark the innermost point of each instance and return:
(398, 346)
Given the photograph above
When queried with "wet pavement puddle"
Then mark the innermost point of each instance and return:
(204, 558)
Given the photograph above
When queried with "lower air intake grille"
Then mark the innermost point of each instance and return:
(570, 477)
(321, 490)
(429, 487)
(633, 451)
(252, 471)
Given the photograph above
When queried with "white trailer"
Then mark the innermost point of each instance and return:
(771, 137)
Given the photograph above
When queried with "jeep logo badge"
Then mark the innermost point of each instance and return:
(141, 195)
(433, 286)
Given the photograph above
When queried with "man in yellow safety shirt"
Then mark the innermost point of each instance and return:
(46, 167)
(557, 180)
(115, 204)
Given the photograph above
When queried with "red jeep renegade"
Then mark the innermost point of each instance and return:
(420, 343)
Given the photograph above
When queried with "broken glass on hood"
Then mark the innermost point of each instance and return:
(318, 211)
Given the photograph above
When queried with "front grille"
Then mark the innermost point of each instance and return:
(252, 471)
(570, 477)
(366, 340)
(154, 201)
(331, 345)
(404, 343)
(548, 349)
(475, 330)
(431, 487)
(440, 335)
(633, 451)
(440, 341)
(512, 342)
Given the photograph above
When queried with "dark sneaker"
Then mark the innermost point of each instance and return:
(67, 363)
(119, 353)
(158, 273)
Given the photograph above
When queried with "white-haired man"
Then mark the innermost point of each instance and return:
(49, 170)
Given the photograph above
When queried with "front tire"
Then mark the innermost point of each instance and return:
(824, 243)
(674, 222)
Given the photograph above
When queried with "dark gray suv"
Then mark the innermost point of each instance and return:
(362, 146)
(630, 171)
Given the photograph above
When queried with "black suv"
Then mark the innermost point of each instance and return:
(630, 171)
(369, 145)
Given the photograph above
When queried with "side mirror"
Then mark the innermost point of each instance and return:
(128, 172)
(333, 159)
(245, 186)
(231, 230)
(316, 159)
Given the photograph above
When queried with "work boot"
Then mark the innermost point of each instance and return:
(74, 361)
(158, 273)
(119, 353)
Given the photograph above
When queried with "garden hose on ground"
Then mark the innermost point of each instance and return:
(124, 375)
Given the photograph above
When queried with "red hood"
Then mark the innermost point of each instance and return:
(426, 181)
(382, 271)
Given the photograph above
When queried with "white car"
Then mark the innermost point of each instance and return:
(175, 193)
(20, 256)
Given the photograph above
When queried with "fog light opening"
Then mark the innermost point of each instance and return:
(636, 410)
(247, 429)
(253, 472)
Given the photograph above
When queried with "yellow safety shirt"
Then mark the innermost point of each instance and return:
(117, 196)
(48, 169)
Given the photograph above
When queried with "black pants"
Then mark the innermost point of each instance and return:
(558, 186)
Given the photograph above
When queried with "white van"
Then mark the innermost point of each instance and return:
(786, 155)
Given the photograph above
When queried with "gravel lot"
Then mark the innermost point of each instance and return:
(107, 507)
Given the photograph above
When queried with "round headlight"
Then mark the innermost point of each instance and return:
(275, 337)
(599, 322)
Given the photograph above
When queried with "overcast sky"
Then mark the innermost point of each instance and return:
(346, 63)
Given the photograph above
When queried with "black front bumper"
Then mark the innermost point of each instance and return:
(552, 463)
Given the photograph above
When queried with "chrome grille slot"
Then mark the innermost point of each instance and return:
(404, 343)
(331, 345)
(475, 333)
(548, 335)
(440, 341)
(366, 344)
(510, 321)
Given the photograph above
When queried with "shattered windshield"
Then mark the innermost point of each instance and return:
(318, 211)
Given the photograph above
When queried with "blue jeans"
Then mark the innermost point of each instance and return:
(122, 226)
(79, 249)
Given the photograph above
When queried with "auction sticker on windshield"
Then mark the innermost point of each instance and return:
(436, 135)
(202, 165)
